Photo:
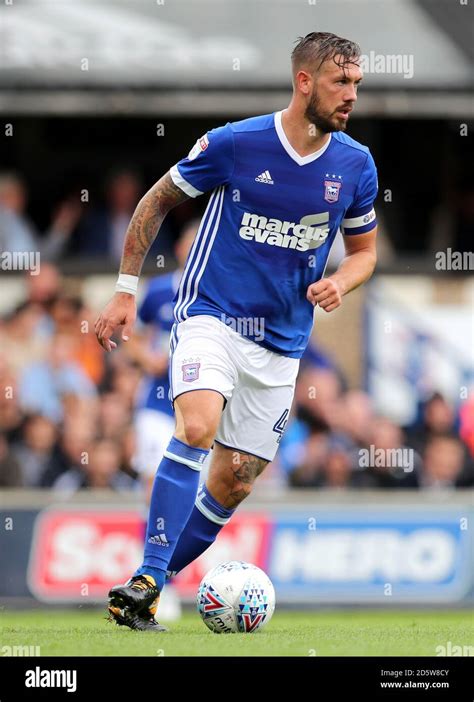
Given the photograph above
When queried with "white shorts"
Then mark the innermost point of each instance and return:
(257, 384)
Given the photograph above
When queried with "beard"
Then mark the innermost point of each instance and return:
(325, 122)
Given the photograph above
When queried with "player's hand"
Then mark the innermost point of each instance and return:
(326, 293)
(120, 311)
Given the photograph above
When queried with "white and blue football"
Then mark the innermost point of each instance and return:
(236, 597)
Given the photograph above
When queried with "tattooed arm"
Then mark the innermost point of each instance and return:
(146, 220)
(141, 232)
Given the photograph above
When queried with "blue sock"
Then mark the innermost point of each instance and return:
(172, 499)
(206, 520)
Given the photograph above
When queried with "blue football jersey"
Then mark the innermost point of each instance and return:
(156, 309)
(269, 225)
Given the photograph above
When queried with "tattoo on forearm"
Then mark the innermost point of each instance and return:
(244, 475)
(146, 220)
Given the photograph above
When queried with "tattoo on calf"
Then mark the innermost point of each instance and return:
(244, 475)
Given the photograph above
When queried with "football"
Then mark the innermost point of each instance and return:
(236, 597)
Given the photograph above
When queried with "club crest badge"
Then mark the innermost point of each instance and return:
(190, 371)
(332, 189)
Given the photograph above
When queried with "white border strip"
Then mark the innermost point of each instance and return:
(359, 221)
(183, 184)
(185, 461)
(210, 515)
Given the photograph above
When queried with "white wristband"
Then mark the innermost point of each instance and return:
(127, 283)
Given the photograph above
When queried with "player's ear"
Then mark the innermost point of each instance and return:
(304, 82)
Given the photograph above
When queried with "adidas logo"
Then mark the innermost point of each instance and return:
(158, 540)
(264, 177)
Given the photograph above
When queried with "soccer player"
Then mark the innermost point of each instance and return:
(282, 185)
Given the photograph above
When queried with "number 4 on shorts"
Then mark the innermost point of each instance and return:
(280, 424)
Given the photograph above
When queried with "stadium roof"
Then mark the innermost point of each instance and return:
(187, 53)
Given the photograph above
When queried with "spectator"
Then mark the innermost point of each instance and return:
(444, 463)
(36, 449)
(10, 470)
(44, 287)
(306, 472)
(44, 385)
(82, 410)
(42, 290)
(114, 415)
(10, 413)
(70, 316)
(18, 339)
(17, 233)
(125, 382)
(354, 417)
(437, 417)
(318, 393)
(387, 462)
(11, 417)
(76, 439)
(101, 470)
(337, 470)
(102, 230)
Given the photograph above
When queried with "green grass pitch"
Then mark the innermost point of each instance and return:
(85, 632)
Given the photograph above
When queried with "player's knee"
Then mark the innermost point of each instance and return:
(196, 432)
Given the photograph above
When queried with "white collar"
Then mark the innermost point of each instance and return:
(300, 160)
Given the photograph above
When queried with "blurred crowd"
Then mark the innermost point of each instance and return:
(67, 410)
(65, 406)
(81, 225)
(92, 225)
(336, 439)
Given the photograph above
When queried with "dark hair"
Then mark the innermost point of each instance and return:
(317, 47)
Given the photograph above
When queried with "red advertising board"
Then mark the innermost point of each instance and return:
(80, 553)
